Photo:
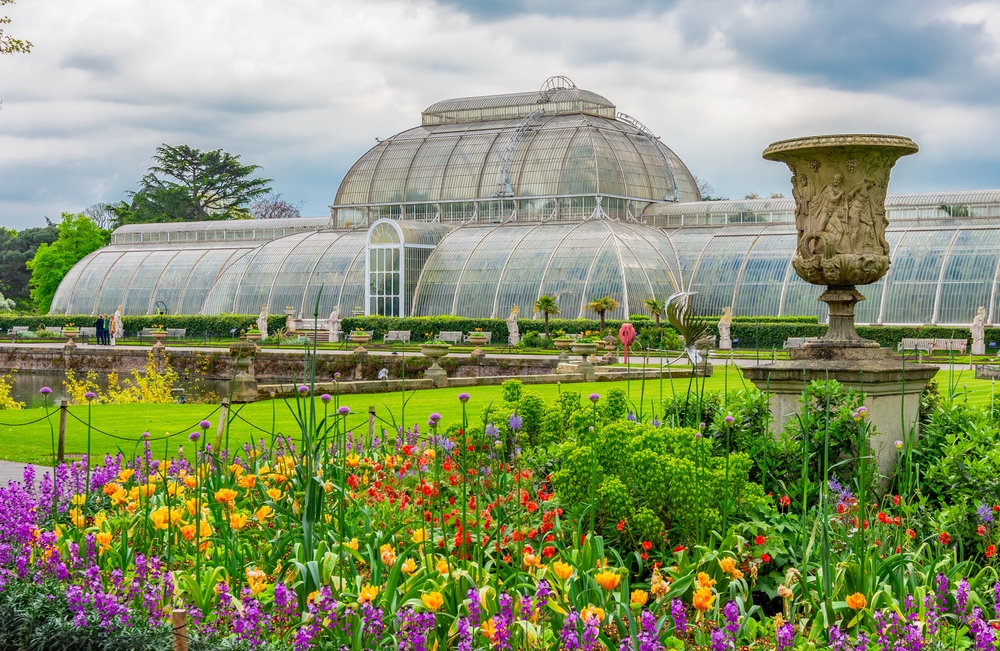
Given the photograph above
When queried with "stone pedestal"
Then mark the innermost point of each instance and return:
(725, 343)
(979, 348)
(244, 384)
(703, 368)
(892, 389)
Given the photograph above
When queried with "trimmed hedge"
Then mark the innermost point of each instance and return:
(196, 325)
(749, 332)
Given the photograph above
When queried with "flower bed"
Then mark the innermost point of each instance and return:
(578, 524)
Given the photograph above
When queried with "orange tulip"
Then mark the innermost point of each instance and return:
(856, 601)
(608, 580)
(225, 495)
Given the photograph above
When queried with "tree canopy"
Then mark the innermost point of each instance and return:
(17, 248)
(187, 184)
(78, 236)
(9, 44)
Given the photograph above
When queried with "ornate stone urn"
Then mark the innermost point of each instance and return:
(434, 351)
(244, 384)
(839, 185)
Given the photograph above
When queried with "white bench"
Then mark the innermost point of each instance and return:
(488, 334)
(397, 335)
(56, 330)
(16, 329)
(797, 342)
(933, 345)
(176, 333)
(454, 336)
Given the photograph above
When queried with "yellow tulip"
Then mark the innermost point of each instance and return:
(264, 512)
(727, 565)
(639, 597)
(562, 570)
(409, 566)
(388, 555)
(432, 600)
(368, 594)
(419, 536)
(104, 540)
(592, 611)
(703, 598)
(125, 475)
(237, 521)
(275, 494)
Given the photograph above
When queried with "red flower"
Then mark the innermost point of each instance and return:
(896, 500)
(679, 548)
(990, 551)
(911, 533)
(981, 530)
(532, 506)
(645, 556)
(549, 551)
(621, 525)
(785, 500)
(647, 545)
(766, 558)
(760, 540)
(944, 538)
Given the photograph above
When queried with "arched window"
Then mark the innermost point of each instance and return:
(384, 269)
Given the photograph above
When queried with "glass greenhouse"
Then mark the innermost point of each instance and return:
(494, 201)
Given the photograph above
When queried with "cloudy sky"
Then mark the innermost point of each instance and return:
(303, 87)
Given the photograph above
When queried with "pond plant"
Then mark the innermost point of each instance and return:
(577, 524)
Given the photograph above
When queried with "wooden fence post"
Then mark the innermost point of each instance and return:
(221, 429)
(179, 620)
(60, 455)
(371, 422)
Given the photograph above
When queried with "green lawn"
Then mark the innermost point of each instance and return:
(33, 442)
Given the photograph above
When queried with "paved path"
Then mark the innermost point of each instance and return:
(13, 471)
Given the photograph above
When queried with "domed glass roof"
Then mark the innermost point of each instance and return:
(559, 142)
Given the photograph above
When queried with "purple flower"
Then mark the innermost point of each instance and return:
(303, 389)
(786, 635)
(985, 514)
(90, 395)
(594, 397)
(962, 595)
(463, 397)
(568, 636)
(325, 398)
(194, 436)
(435, 417)
(631, 416)
(336, 376)
(720, 640)
(729, 419)
(343, 410)
(204, 424)
(45, 391)
(514, 422)
(680, 616)
(145, 436)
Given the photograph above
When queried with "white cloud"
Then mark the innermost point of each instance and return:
(303, 87)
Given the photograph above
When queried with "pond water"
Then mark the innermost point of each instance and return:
(28, 383)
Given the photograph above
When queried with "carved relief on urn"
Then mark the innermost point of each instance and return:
(839, 184)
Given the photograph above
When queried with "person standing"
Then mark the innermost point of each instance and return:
(99, 326)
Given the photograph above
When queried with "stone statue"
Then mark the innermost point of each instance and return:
(979, 332)
(262, 321)
(514, 335)
(725, 324)
(333, 325)
(117, 328)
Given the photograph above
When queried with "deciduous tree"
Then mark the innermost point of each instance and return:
(17, 248)
(9, 44)
(78, 236)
